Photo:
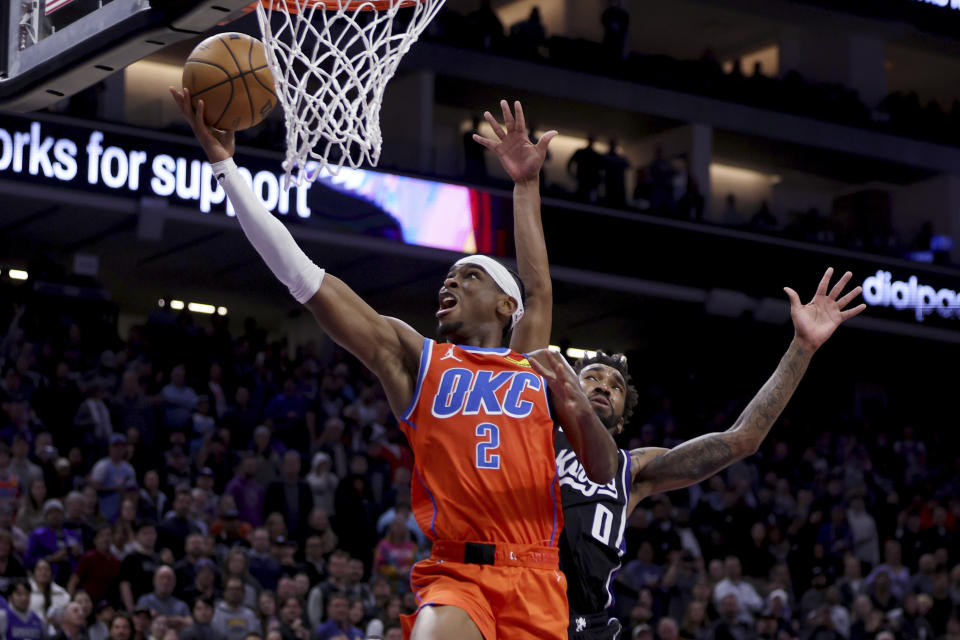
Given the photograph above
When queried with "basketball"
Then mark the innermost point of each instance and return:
(229, 72)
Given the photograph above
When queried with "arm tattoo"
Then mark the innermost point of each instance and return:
(700, 458)
(692, 461)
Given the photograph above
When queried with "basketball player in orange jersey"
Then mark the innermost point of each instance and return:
(476, 415)
(595, 514)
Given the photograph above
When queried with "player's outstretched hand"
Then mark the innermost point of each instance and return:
(816, 321)
(219, 145)
(561, 378)
(520, 158)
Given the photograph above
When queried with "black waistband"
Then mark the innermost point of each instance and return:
(479, 553)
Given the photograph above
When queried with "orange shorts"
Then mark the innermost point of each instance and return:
(505, 602)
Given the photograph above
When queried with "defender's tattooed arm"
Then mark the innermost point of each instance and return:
(656, 470)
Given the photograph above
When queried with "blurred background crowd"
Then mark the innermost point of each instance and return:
(191, 480)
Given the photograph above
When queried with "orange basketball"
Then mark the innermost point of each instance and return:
(229, 73)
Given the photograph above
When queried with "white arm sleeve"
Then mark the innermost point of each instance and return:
(268, 236)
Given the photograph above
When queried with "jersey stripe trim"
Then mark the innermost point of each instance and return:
(621, 546)
(433, 521)
(553, 496)
(425, 354)
(501, 351)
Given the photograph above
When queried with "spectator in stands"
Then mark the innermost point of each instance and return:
(763, 219)
(98, 570)
(527, 36)
(291, 496)
(111, 474)
(896, 572)
(247, 492)
(235, 566)
(291, 620)
(121, 627)
(71, 623)
(263, 566)
(586, 167)
(138, 567)
(267, 610)
(20, 464)
(79, 514)
(185, 568)
(153, 503)
(9, 483)
(176, 527)
(731, 624)
(661, 183)
(98, 622)
(694, 624)
(835, 534)
(216, 390)
(486, 27)
(45, 594)
(731, 216)
(30, 515)
(92, 419)
(338, 568)
(748, 600)
(131, 408)
(179, 400)
(204, 584)
(641, 572)
(17, 617)
(161, 601)
(201, 629)
(396, 553)
(863, 527)
(231, 618)
(323, 482)
(615, 168)
(286, 415)
(616, 21)
(54, 543)
(851, 583)
(11, 569)
(241, 418)
(142, 623)
(337, 623)
(667, 629)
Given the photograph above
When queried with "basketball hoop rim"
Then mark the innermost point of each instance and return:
(292, 6)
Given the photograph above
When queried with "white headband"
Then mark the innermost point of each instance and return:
(501, 276)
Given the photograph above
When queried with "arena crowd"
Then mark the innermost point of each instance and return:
(192, 482)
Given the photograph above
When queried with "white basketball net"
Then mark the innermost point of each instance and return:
(331, 67)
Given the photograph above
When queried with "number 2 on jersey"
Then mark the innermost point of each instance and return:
(491, 441)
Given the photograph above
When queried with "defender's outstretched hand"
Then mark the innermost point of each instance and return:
(560, 376)
(219, 145)
(816, 321)
(520, 158)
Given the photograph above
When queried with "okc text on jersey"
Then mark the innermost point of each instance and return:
(465, 392)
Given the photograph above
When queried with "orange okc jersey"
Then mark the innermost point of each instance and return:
(482, 436)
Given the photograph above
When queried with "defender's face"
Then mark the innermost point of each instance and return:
(606, 390)
(469, 297)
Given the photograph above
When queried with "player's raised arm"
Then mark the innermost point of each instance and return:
(590, 440)
(388, 347)
(522, 160)
(696, 460)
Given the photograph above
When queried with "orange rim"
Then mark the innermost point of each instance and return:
(348, 5)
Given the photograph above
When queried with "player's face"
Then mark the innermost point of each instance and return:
(606, 390)
(468, 299)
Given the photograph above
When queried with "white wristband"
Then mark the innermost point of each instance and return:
(268, 236)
